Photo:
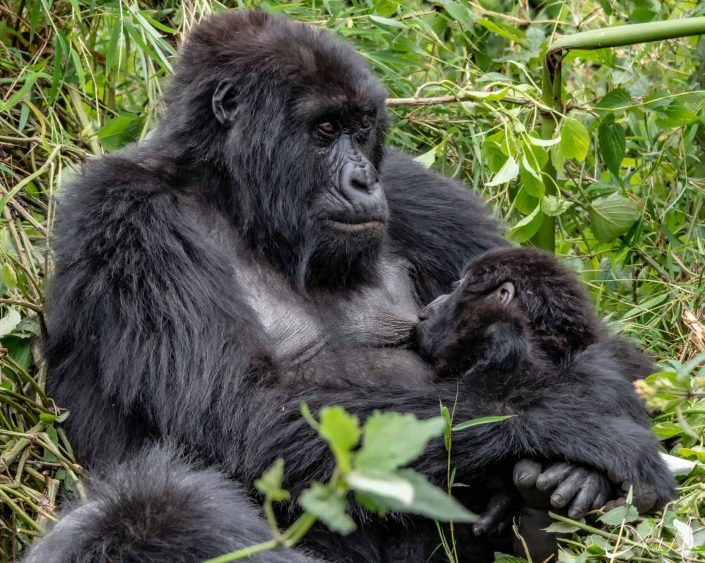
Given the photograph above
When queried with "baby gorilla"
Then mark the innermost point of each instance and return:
(519, 332)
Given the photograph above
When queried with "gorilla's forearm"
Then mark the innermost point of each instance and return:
(568, 431)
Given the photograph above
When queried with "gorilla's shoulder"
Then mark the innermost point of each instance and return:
(436, 223)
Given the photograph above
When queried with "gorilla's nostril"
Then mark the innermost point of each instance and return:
(359, 183)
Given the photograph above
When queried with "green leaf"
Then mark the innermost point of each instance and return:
(408, 491)
(504, 558)
(393, 439)
(553, 205)
(612, 216)
(612, 140)
(616, 516)
(270, 483)
(9, 322)
(329, 506)
(562, 528)
(575, 140)
(615, 100)
(427, 159)
(508, 172)
(120, 131)
(507, 31)
(342, 432)
(527, 227)
(479, 421)
(388, 22)
(676, 115)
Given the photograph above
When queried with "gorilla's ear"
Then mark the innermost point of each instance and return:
(223, 103)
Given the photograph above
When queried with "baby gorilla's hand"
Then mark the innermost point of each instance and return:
(561, 486)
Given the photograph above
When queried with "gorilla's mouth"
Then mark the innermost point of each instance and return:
(375, 225)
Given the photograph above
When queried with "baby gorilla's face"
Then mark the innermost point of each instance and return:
(453, 320)
(522, 288)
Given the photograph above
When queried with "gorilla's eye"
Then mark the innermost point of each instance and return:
(327, 127)
(365, 122)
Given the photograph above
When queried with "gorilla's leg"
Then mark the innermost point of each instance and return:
(158, 509)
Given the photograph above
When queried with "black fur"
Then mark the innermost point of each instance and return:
(215, 276)
(519, 333)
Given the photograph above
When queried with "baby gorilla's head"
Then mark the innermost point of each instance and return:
(524, 286)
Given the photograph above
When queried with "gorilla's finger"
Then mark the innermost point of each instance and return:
(602, 495)
(589, 490)
(621, 501)
(568, 488)
(644, 499)
(552, 476)
(494, 515)
(525, 473)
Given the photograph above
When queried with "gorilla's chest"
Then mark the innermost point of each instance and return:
(382, 313)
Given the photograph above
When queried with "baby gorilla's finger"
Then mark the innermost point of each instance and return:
(568, 488)
(525, 473)
(494, 518)
(589, 490)
(554, 475)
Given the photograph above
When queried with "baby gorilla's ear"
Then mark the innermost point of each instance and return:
(505, 293)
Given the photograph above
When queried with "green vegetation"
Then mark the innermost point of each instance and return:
(79, 78)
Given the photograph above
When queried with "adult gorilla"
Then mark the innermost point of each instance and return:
(246, 258)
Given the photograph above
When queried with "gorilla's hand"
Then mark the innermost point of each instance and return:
(561, 486)
(645, 498)
(497, 516)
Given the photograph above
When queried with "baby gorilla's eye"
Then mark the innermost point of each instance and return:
(365, 122)
(327, 127)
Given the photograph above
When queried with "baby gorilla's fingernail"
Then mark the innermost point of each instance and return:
(558, 501)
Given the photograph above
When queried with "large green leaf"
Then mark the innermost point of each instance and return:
(408, 491)
(392, 440)
(612, 216)
(575, 140)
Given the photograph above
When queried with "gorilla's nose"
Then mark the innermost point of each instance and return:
(360, 184)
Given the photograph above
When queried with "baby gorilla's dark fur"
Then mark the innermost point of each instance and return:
(517, 321)
(519, 332)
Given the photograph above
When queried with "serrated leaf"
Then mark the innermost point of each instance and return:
(392, 440)
(615, 517)
(270, 483)
(9, 322)
(427, 159)
(613, 144)
(612, 216)
(329, 506)
(575, 140)
(615, 100)
(527, 227)
(480, 421)
(508, 172)
(342, 432)
(408, 491)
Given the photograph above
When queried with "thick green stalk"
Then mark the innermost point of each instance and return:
(618, 36)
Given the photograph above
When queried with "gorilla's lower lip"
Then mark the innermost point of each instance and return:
(355, 227)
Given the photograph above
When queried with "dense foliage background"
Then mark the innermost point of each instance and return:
(80, 78)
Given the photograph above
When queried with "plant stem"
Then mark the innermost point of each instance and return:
(631, 34)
